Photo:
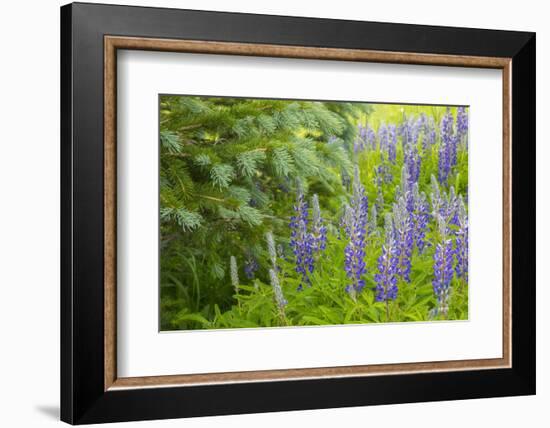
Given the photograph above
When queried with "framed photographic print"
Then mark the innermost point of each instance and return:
(265, 213)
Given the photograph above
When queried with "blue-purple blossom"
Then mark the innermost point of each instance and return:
(370, 140)
(409, 131)
(356, 230)
(383, 174)
(405, 190)
(392, 143)
(443, 268)
(301, 240)
(413, 162)
(318, 229)
(448, 209)
(429, 132)
(462, 125)
(444, 205)
(359, 144)
(447, 147)
(345, 221)
(420, 217)
(462, 242)
(250, 267)
(386, 278)
(404, 238)
(383, 137)
(366, 138)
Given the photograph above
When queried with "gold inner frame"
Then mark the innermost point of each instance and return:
(113, 43)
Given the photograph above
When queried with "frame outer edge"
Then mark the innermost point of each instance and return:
(66, 305)
(524, 216)
(81, 382)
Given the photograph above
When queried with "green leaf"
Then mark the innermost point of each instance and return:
(170, 141)
(221, 175)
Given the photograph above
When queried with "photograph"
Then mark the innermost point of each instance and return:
(288, 212)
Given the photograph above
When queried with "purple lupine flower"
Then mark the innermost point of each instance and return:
(392, 143)
(345, 221)
(462, 242)
(409, 131)
(383, 137)
(444, 164)
(446, 144)
(404, 237)
(451, 211)
(319, 230)
(421, 215)
(443, 269)
(301, 240)
(462, 125)
(250, 267)
(448, 209)
(234, 274)
(370, 138)
(429, 133)
(405, 190)
(435, 197)
(413, 162)
(383, 174)
(359, 144)
(417, 126)
(355, 250)
(386, 278)
(277, 290)
(422, 122)
(443, 205)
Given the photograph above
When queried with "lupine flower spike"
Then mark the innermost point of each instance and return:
(319, 230)
(373, 221)
(392, 143)
(234, 273)
(447, 147)
(250, 267)
(271, 249)
(462, 126)
(404, 238)
(301, 240)
(462, 242)
(443, 269)
(280, 300)
(383, 137)
(355, 250)
(386, 278)
(421, 215)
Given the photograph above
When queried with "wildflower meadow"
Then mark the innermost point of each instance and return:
(291, 213)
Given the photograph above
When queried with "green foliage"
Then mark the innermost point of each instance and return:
(229, 172)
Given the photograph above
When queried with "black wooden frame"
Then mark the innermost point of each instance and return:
(83, 399)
